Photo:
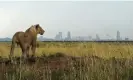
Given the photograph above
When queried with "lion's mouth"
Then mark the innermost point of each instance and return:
(42, 33)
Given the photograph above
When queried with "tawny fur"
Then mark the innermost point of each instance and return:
(26, 40)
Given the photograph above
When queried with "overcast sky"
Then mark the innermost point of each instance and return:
(81, 18)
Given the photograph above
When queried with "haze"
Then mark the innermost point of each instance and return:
(80, 18)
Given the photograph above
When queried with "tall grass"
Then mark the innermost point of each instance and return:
(87, 68)
(104, 50)
(81, 61)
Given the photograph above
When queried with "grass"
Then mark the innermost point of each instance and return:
(104, 50)
(72, 61)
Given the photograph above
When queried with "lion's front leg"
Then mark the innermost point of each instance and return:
(33, 49)
(25, 49)
(24, 54)
(27, 53)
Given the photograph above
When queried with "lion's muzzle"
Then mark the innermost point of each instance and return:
(42, 32)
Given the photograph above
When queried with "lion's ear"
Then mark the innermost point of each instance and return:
(37, 26)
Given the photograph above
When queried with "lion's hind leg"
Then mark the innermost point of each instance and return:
(12, 50)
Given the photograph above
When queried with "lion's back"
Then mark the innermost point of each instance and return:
(18, 34)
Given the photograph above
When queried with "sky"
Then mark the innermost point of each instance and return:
(81, 18)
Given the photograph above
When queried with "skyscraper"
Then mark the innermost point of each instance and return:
(68, 36)
(60, 35)
(97, 37)
(118, 37)
(57, 37)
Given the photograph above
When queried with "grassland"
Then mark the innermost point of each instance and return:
(104, 50)
(71, 61)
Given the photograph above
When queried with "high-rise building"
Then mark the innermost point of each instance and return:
(60, 35)
(68, 36)
(97, 37)
(118, 37)
(56, 37)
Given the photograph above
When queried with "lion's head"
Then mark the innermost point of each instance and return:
(39, 29)
(36, 29)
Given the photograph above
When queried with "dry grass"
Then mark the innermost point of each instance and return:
(104, 50)
(72, 68)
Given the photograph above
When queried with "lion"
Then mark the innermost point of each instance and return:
(26, 40)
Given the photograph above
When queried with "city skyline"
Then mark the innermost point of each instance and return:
(70, 37)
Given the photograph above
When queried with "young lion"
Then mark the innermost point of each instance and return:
(26, 40)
